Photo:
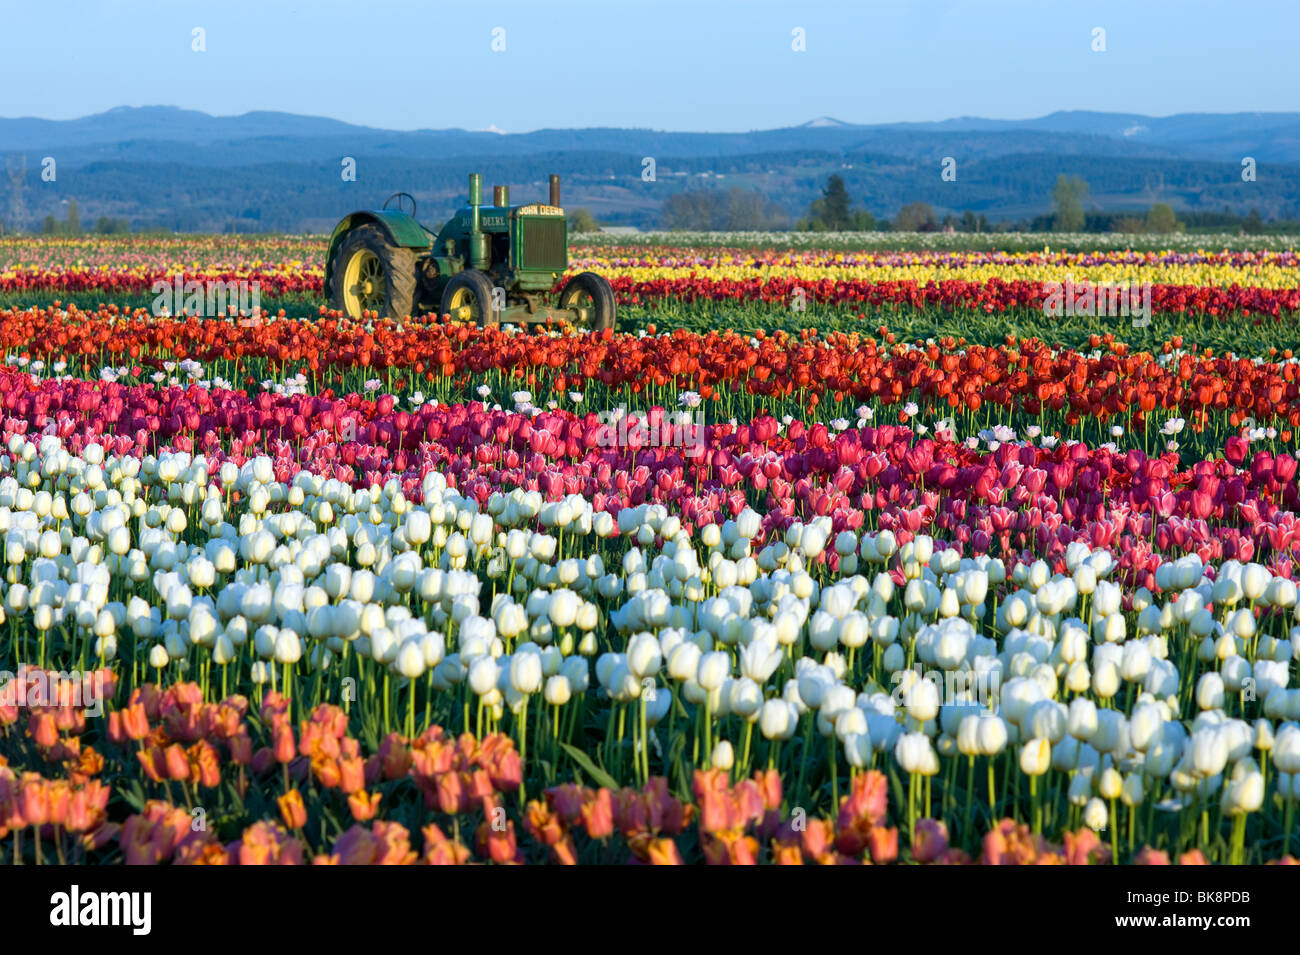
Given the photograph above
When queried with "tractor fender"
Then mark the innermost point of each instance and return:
(402, 230)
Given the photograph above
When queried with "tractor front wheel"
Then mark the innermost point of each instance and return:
(468, 298)
(591, 292)
(370, 273)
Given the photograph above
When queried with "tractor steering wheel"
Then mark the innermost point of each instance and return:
(398, 196)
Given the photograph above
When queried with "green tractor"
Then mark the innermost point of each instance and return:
(487, 265)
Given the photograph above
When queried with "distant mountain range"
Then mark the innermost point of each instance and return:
(161, 166)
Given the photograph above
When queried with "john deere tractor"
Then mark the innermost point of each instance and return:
(488, 264)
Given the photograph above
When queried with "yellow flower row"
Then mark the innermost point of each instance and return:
(1214, 276)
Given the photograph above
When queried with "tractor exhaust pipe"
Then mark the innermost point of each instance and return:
(555, 190)
(475, 200)
(477, 240)
(501, 197)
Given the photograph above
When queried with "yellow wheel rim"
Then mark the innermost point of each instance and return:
(580, 298)
(463, 306)
(364, 283)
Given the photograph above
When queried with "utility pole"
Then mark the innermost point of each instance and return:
(16, 167)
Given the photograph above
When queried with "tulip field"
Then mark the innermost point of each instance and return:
(829, 553)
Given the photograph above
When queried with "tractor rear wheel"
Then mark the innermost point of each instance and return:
(592, 292)
(468, 298)
(370, 273)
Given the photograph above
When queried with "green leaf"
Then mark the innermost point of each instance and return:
(598, 775)
(675, 754)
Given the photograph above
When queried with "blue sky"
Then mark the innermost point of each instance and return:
(666, 64)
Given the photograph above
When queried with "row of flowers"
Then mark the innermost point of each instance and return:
(67, 810)
(993, 295)
(122, 262)
(641, 268)
(1202, 283)
(950, 375)
(133, 255)
(995, 496)
(1256, 261)
(925, 242)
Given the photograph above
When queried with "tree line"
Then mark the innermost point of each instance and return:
(739, 210)
(71, 225)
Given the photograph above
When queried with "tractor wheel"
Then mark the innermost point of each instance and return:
(468, 297)
(592, 292)
(369, 272)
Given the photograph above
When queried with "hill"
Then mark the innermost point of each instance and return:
(164, 167)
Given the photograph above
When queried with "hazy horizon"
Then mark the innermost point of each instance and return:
(814, 119)
(726, 66)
